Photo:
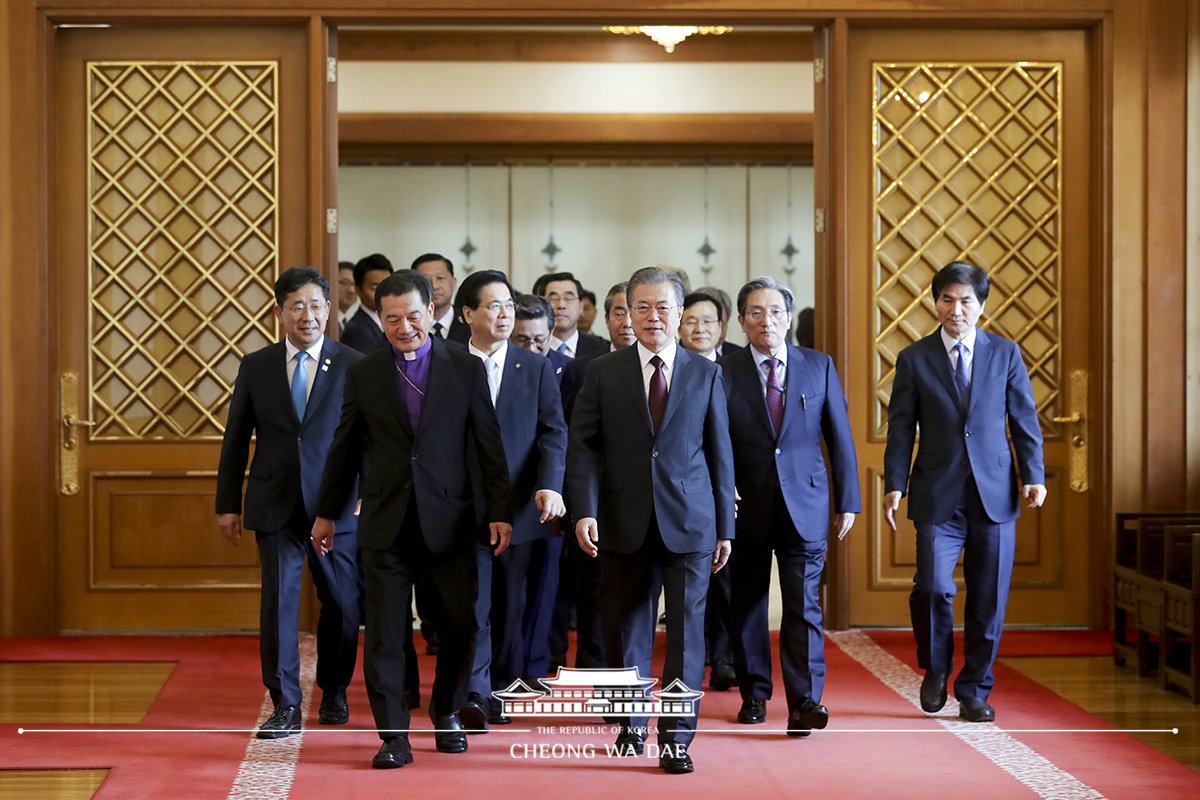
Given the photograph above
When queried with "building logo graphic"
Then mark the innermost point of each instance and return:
(598, 692)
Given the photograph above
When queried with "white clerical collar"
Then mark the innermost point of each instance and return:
(667, 354)
(314, 352)
(759, 358)
(968, 341)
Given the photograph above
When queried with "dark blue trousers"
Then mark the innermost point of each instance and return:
(336, 579)
(499, 609)
(541, 582)
(987, 548)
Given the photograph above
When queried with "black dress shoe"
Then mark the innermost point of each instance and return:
(474, 714)
(722, 677)
(451, 738)
(675, 759)
(394, 754)
(495, 712)
(334, 710)
(753, 711)
(413, 698)
(432, 645)
(809, 715)
(972, 709)
(283, 722)
(630, 742)
(933, 692)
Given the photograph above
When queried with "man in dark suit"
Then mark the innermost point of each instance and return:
(724, 348)
(651, 476)
(525, 392)
(423, 411)
(364, 331)
(565, 294)
(782, 401)
(289, 394)
(447, 321)
(961, 387)
(532, 327)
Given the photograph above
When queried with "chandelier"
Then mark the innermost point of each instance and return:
(669, 35)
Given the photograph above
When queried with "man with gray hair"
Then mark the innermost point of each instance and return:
(650, 471)
(782, 401)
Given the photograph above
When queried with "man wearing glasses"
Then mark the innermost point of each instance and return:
(651, 480)
(290, 395)
(565, 294)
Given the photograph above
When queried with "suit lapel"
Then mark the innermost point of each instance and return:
(436, 385)
(631, 371)
(745, 374)
(386, 368)
(508, 380)
(321, 381)
(281, 378)
(940, 363)
(793, 407)
(684, 370)
(979, 366)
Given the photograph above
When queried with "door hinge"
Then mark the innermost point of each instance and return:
(819, 220)
(331, 70)
(331, 220)
(818, 70)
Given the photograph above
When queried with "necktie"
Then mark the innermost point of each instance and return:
(774, 394)
(960, 373)
(493, 371)
(658, 393)
(562, 348)
(437, 329)
(300, 385)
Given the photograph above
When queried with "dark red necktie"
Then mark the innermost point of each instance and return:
(658, 393)
(774, 394)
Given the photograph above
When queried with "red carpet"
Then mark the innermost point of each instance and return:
(1021, 642)
(216, 686)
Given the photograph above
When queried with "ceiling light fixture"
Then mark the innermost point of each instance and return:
(669, 35)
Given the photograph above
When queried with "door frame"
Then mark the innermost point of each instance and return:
(28, 407)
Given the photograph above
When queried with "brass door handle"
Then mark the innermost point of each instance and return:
(70, 420)
(1075, 417)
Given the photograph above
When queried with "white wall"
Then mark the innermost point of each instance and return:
(608, 220)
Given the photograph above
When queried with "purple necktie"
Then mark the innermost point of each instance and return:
(658, 393)
(774, 394)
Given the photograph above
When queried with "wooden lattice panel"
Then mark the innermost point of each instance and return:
(182, 240)
(968, 167)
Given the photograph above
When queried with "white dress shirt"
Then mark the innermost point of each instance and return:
(759, 358)
(446, 321)
(668, 357)
(310, 366)
(968, 342)
(572, 344)
(493, 365)
(371, 313)
(344, 316)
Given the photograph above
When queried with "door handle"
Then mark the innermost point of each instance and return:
(1075, 417)
(1077, 458)
(68, 450)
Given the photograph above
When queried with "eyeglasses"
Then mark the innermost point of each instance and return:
(644, 309)
(346, 283)
(776, 313)
(523, 341)
(495, 306)
(569, 297)
(691, 321)
(299, 309)
(619, 313)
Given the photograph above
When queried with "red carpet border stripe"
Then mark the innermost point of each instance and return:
(1014, 757)
(269, 766)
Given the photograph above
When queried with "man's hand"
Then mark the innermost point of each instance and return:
(844, 522)
(230, 526)
(720, 556)
(1035, 493)
(550, 504)
(501, 535)
(322, 535)
(891, 502)
(587, 533)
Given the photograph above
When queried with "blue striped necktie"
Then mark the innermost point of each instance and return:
(960, 373)
(300, 385)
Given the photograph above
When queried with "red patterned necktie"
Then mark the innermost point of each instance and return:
(774, 394)
(658, 393)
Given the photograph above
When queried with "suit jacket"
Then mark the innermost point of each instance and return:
(590, 344)
(572, 379)
(620, 472)
(957, 441)
(529, 408)
(362, 333)
(728, 349)
(559, 362)
(459, 331)
(814, 407)
(286, 446)
(457, 425)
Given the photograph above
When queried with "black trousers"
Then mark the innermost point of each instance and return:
(283, 553)
(389, 579)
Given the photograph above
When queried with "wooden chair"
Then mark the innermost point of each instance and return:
(1179, 657)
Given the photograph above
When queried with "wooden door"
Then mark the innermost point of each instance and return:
(183, 190)
(972, 145)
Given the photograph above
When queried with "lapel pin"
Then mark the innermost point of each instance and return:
(328, 361)
(324, 368)
(518, 365)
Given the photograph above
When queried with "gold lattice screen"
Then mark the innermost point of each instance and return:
(968, 167)
(182, 239)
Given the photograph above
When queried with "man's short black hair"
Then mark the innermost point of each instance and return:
(539, 287)
(376, 262)
(966, 274)
(297, 278)
(402, 282)
(703, 297)
(345, 265)
(471, 289)
(588, 294)
(430, 257)
(532, 306)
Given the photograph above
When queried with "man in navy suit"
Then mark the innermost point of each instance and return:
(961, 386)
(290, 395)
(423, 411)
(525, 392)
(782, 401)
(650, 469)
(364, 331)
(565, 293)
(532, 329)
